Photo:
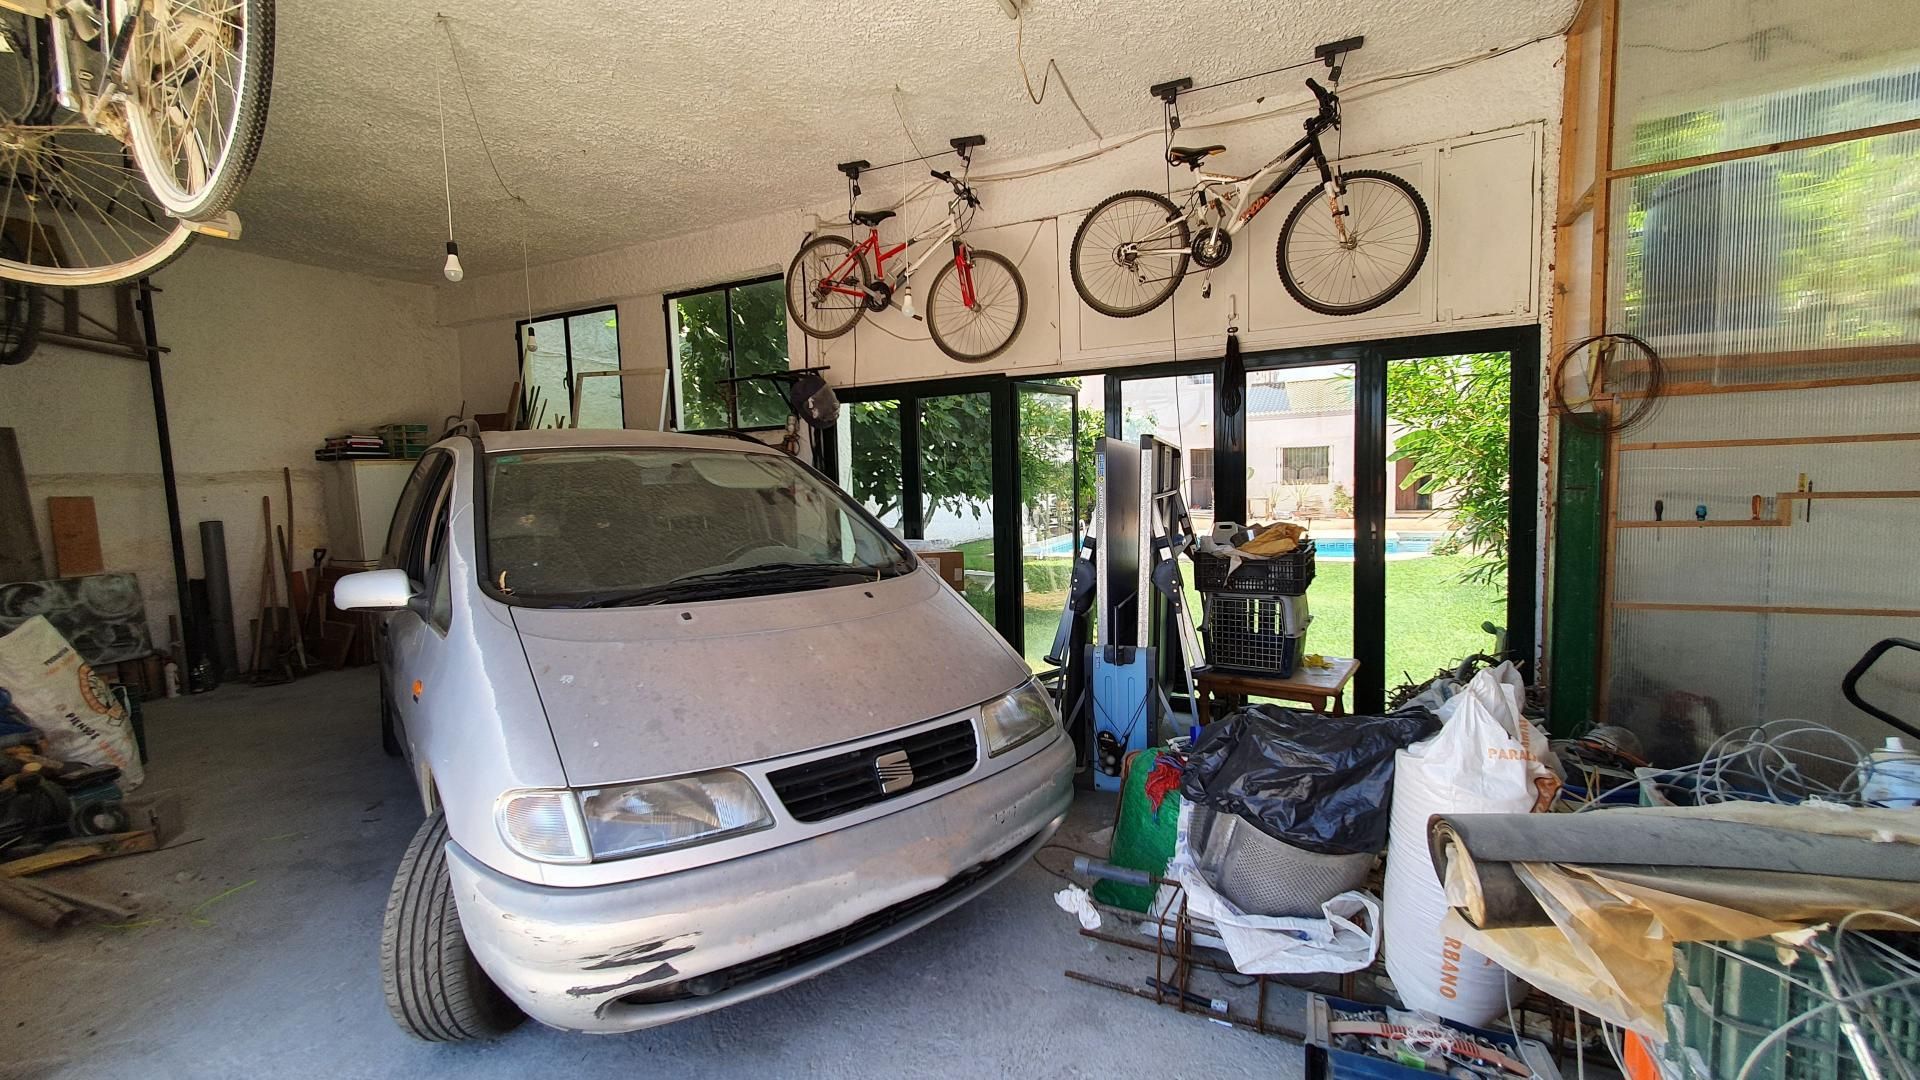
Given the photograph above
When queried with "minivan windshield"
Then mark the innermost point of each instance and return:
(617, 526)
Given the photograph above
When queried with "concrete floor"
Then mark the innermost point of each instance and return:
(256, 950)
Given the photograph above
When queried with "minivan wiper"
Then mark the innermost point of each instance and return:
(717, 584)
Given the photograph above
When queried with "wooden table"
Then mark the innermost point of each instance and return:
(1322, 690)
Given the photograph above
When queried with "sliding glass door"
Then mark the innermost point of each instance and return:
(994, 469)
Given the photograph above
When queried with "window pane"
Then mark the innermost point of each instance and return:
(759, 347)
(595, 342)
(546, 372)
(700, 359)
(1300, 467)
(1447, 431)
(956, 477)
(870, 457)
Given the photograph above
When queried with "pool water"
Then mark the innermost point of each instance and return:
(1325, 547)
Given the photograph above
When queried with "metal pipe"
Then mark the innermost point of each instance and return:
(189, 636)
(213, 561)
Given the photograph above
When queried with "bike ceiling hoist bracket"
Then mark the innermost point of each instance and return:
(1331, 53)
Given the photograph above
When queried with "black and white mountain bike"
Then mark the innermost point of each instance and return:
(126, 127)
(1350, 245)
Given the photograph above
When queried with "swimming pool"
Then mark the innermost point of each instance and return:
(1325, 547)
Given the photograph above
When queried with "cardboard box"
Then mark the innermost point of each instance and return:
(950, 565)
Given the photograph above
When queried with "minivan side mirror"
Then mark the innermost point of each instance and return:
(373, 590)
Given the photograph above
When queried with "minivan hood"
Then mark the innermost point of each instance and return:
(675, 688)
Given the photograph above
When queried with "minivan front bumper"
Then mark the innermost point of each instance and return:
(642, 953)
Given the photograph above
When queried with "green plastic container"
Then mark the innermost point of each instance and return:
(1719, 1009)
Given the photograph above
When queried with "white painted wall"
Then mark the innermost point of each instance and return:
(267, 357)
(1496, 191)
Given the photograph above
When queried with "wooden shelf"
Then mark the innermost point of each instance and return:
(1783, 503)
(1796, 440)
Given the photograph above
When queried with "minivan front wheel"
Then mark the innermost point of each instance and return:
(435, 988)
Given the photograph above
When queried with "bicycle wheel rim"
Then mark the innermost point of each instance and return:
(1127, 258)
(1386, 241)
(76, 209)
(818, 313)
(185, 119)
(984, 330)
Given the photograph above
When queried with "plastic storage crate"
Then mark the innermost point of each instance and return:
(1720, 1008)
(403, 440)
(1282, 575)
(1324, 1010)
(1248, 634)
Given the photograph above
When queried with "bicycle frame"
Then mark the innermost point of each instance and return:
(1234, 214)
(114, 31)
(937, 234)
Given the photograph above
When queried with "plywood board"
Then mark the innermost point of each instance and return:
(20, 556)
(76, 535)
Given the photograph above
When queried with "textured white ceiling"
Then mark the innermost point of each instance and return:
(621, 121)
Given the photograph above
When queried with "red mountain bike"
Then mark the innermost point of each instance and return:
(974, 310)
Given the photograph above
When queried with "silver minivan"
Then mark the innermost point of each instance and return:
(689, 725)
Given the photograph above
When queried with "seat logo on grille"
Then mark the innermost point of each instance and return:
(894, 771)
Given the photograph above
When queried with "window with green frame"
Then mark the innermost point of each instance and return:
(724, 333)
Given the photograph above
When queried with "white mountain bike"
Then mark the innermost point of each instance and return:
(1351, 244)
(126, 126)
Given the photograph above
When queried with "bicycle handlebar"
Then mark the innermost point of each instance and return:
(959, 188)
(1321, 92)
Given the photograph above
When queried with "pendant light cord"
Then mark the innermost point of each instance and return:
(446, 169)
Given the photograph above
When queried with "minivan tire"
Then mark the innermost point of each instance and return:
(435, 988)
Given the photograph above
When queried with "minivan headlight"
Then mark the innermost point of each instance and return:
(1019, 716)
(633, 819)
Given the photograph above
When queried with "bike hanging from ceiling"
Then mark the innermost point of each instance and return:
(126, 128)
(1353, 242)
(976, 304)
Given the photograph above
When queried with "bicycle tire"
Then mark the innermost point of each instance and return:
(992, 347)
(800, 310)
(1182, 238)
(243, 137)
(1423, 238)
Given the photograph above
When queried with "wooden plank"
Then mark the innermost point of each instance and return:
(1571, 118)
(1769, 609)
(1717, 523)
(1603, 162)
(1709, 363)
(1784, 146)
(76, 535)
(70, 852)
(1798, 440)
(20, 555)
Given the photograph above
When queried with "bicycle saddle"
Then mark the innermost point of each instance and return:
(1191, 156)
(870, 218)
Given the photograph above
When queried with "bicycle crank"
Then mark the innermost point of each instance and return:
(1211, 246)
(879, 296)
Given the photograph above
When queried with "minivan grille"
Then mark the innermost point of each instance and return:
(829, 786)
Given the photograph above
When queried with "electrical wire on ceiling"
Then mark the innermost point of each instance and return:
(1046, 75)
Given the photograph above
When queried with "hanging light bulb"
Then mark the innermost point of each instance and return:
(453, 269)
(533, 343)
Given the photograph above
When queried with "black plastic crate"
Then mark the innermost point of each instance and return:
(1248, 634)
(1282, 575)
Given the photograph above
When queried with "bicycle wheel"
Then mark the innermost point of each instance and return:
(199, 73)
(1337, 271)
(1130, 253)
(818, 271)
(74, 210)
(984, 329)
(22, 310)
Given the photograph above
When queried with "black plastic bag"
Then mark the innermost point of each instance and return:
(1323, 783)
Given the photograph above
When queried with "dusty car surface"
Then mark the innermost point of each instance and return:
(689, 726)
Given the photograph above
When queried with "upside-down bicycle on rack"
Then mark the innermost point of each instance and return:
(126, 127)
(1351, 244)
(975, 307)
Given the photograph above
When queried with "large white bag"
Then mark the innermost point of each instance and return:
(1486, 759)
(59, 694)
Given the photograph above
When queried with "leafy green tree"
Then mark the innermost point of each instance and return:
(1456, 414)
(759, 346)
